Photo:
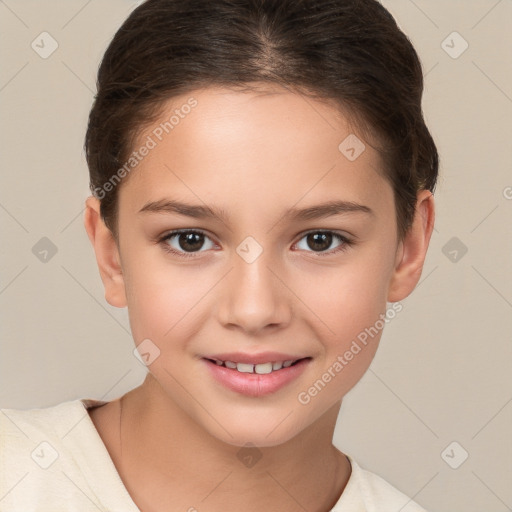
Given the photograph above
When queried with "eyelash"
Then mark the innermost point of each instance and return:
(346, 243)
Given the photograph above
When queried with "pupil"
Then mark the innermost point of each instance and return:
(190, 238)
(324, 239)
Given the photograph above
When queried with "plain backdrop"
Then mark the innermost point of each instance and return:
(433, 414)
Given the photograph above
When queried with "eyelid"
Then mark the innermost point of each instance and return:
(343, 234)
(175, 232)
(346, 241)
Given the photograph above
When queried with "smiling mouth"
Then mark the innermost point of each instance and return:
(260, 369)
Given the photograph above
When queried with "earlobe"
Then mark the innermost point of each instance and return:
(107, 254)
(413, 249)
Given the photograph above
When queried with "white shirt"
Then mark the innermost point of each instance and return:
(53, 459)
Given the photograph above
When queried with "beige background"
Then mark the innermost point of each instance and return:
(442, 373)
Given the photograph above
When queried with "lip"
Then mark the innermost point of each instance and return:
(259, 358)
(253, 384)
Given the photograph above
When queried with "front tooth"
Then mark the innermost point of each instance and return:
(263, 368)
(230, 364)
(245, 368)
(277, 366)
(287, 363)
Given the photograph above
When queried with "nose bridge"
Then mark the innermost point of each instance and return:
(255, 296)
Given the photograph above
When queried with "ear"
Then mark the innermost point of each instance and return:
(412, 250)
(107, 254)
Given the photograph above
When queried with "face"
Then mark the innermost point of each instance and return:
(259, 282)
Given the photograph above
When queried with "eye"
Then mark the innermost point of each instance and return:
(187, 242)
(322, 240)
(184, 242)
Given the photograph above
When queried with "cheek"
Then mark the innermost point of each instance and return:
(162, 299)
(349, 297)
(350, 304)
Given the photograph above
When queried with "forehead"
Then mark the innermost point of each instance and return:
(253, 149)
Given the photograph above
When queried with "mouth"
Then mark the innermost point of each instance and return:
(259, 378)
(259, 368)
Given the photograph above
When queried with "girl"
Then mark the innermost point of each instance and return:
(262, 182)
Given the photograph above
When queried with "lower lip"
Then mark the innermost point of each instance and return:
(254, 384)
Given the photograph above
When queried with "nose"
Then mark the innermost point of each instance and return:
(255, 297)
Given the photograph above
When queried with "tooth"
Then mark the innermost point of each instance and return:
(218, 362)
(277, 366)
(287, 363)
(230, 364)
(263, 368)
(245, 368)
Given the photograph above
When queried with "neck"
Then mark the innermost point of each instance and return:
(170, 456)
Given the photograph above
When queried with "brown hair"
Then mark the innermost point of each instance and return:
(347, 51)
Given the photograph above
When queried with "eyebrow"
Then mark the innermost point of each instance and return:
(318, 211)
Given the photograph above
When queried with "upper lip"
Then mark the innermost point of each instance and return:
(259, 358)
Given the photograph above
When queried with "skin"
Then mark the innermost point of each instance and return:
(175, 439)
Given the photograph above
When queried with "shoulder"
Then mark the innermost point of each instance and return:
(21, 428)
(36, 453)
(368, 492)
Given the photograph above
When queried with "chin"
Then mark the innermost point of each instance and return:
(246, 431)
(251, 437)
